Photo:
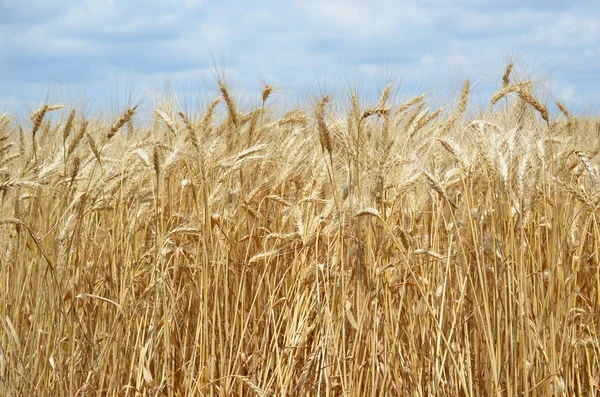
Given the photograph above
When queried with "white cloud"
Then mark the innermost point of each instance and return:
(110, 20)
(192, 3)
(569, 30)
(567, 94)
(427, 60)
(296, 43)
(500, 23)
(9, 104)
(98, 7)
(42, 41)
(365, 19)
(187, 4)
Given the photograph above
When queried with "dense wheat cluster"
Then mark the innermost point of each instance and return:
(344, 248)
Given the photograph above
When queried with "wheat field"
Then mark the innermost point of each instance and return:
(339, 248)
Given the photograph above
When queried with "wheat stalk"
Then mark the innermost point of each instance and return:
(68, 125)
(464, 97)
(506, 90)
(563, 109)
(324, 135)
(156, 160)
(229, 103)
(74, 170)
(265, 93)
(410, 103)
(385, 95)
(125, 118)
(167, 120)
(506, 75)
(12, 184)
(94, 147)
(77, 138)
(528, 97)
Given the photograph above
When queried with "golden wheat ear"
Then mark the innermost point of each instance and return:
(324, 134)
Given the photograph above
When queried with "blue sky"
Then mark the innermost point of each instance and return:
(99, 51)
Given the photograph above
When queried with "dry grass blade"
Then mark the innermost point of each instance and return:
(429, 253)
(367, 211)
(350, 317)
(142, 155)
(84, 295)
(263, 256)
(13, 332)
(255, 389)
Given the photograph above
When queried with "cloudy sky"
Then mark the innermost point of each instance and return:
(100, 51)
